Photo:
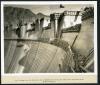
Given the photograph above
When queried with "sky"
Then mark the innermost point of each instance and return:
(48, 9)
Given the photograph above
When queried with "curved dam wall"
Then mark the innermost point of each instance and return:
(40, 58)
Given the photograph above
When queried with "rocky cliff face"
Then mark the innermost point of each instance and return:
(40, 15)
(13, 15)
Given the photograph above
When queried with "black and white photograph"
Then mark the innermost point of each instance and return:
(49, 38)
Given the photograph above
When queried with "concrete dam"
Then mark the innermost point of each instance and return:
(60, 43)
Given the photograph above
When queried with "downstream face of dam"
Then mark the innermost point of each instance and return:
(61, 42)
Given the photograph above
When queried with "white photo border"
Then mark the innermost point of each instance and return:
(45, 3)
